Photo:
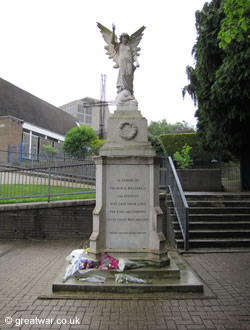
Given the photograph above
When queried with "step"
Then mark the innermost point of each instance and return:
(215, 217)
(215, 203)
(218, 233)
(215, 210)
(215, 243)
(219, 210)
(216, 220)
(217, 196)
(219, 217)
(214, 225)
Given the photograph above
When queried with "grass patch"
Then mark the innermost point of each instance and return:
(24, 193)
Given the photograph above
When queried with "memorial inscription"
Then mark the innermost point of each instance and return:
(127, 207)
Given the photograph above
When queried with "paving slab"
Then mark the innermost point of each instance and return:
(26, 273)
(9, 246)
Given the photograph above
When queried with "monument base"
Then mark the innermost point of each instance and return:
(156, 258)
(127, 219)
(176, 278)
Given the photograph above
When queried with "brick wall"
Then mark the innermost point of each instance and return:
(54, 220)
(10, 134)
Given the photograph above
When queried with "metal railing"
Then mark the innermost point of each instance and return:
(163, 173)
(231, 176)
(16, 183)
(13, 157)
(179, 200)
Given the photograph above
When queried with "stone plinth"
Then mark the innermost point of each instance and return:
(127, 135)
(127, 219)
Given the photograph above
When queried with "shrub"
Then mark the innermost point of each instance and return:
(182, 158)
(175, 142)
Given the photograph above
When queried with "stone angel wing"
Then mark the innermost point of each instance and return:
(135, 39)
(107, 36)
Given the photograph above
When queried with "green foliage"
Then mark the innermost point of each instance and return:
(78, 141)
(183, 158)
(175, 142)
(96, 146)
(50, 150)
(220, 85)
(236, 24)
(157, 128)
(157, 145)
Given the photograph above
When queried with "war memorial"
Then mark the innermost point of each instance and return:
(127, 218)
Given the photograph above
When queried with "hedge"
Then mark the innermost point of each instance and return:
(174, 142)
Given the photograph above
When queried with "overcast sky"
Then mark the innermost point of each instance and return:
(54, 50)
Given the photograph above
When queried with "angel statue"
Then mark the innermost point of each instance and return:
(124, 53)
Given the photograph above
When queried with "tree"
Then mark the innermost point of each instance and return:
(220, 84)
(50, 150)
(157, 128)
(96, 146)
(78, 141)
(235, 25)
(157, 145)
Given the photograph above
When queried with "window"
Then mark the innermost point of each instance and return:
(80, 108)
(34, 147)
(80, 113)
(88, 115)
(30, 146)
(80, 118)
(88, 119)
(88, 111)
(26, 144)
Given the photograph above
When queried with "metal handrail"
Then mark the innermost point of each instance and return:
(179, 200)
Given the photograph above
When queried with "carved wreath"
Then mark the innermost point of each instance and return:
(127, 131)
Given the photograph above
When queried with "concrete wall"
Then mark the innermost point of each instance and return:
(200, 179)
(54, 220)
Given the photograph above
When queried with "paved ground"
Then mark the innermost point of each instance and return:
(27, 268)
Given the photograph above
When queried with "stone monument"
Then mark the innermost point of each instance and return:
(127, 219)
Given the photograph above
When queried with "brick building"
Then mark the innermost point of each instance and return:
(27, 122)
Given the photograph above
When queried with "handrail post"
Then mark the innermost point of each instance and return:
(186, 241)
(49, 184)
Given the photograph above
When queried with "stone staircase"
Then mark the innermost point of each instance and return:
(216, 220)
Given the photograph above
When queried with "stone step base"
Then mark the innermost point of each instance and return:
(177, 277)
